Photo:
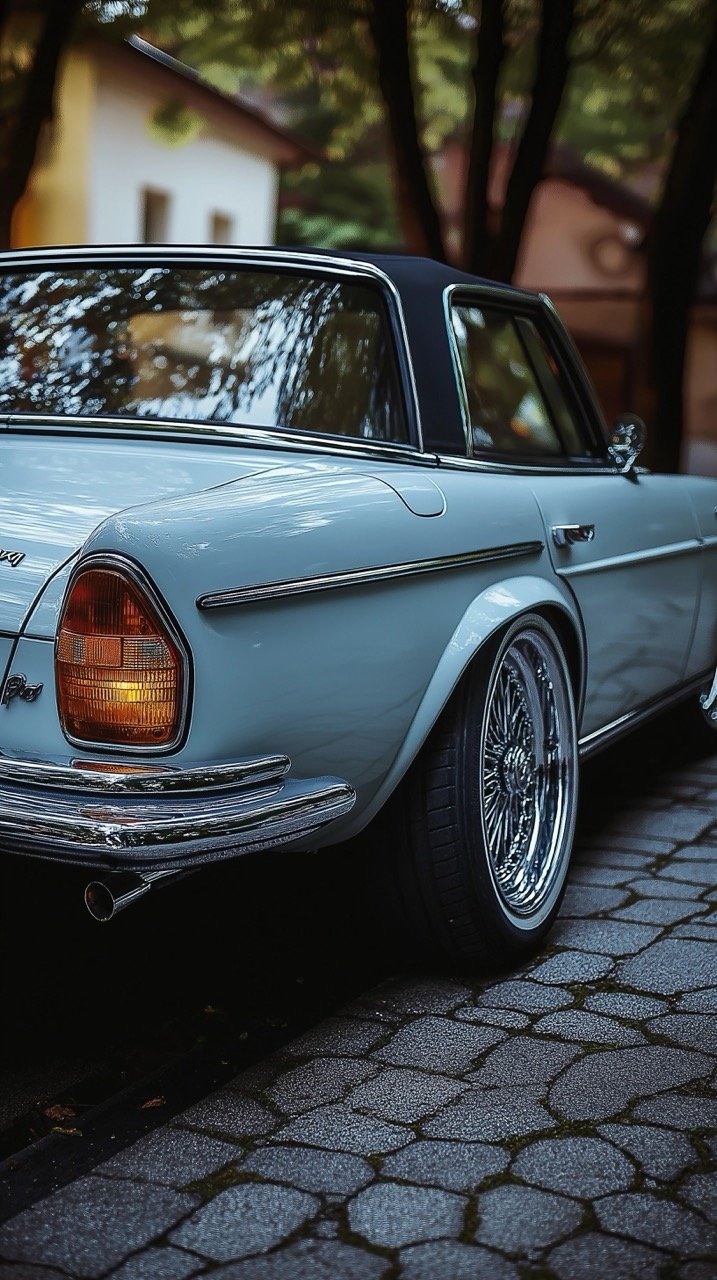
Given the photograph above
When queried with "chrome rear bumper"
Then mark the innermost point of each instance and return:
(156, 818)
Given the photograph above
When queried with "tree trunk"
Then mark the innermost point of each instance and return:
(674, 253)
(388, 22)
(553, 66)
(490, 52)
(36, 107)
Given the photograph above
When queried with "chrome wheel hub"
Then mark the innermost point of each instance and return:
(527, 777)
(516, 769)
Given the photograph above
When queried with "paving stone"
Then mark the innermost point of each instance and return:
(100, 1237)
(452, 1166)
(584, 1167)
(700, 1191)
(310, 1169)
(436, 1044)
(23, 1271)
(448, 1258)
(656, 910)
(309, 1260)
(245, 1219)
(508, 1018)
(521, 1220)
(613, 877)
(572, 966)
(699, 852)
(392, 1215)
(319, 1081)
(171, 1156)
(697, 1271)
(698, 1001)
(337, 1036)
(490, 1115)
(657, 888)
(642, 851)
(695, 872)
(609, 937)
(231, 1113)
(524, 1060)
(338, 1128)
(681, 823)
(624, 1005)
(693, 1030)
(661, 1153)
(668, 967)
(580, 901)
(526, 997)
(159, 1264)
(678, 1111)
(398, 1094)
(594, 1257)
(656, 1222)
(603, 1083)
(590, 1028)
(700, 932)
(416, 995)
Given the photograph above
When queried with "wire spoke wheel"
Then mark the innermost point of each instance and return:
(527, 775)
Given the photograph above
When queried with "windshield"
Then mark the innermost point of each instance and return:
(258, 348)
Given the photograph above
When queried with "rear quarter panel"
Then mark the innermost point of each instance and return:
(336, 679)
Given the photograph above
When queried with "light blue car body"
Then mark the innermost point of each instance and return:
(332, 595)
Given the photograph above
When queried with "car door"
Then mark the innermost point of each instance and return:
(626, 545)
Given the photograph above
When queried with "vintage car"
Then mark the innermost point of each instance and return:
(296, 542)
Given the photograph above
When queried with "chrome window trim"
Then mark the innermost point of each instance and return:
(505, 294)
(599, 738)
(458, 374)
(233, 596)
(137, 575)
(348, 268)
(454, 461)
(144, 780)
(171, 429)
(632, 557)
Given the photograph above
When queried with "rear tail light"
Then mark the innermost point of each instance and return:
(120, 674)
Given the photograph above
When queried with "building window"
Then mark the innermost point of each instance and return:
(155, 216)
(221, 228)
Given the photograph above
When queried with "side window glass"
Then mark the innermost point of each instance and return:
(507, 411)
(556, 387)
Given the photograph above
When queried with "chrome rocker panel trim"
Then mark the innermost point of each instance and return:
(161, 819)
(599, 739)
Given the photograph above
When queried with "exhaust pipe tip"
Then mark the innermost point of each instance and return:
(104, 898)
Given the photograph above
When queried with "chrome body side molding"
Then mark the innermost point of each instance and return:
(361, 577)
(596, 741)
(161, 819)
(632, 557)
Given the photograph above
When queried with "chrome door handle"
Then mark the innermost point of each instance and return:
(566, 535)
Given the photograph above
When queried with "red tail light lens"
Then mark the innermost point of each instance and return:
(119, 673)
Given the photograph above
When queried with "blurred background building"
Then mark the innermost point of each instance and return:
(141, 150)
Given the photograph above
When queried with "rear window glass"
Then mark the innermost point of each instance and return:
(256, 348)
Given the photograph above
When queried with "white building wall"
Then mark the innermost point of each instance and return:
(221, 171)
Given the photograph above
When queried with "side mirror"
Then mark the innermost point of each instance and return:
(629, 435)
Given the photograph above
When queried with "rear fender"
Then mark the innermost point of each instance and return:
(487, 614)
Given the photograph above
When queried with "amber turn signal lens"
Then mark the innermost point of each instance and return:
(119, 675)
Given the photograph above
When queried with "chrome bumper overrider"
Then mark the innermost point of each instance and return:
(160, 818)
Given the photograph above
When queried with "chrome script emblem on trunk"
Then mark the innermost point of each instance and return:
(17, 687)
(12, 557)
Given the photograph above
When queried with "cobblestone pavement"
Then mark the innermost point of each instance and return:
(560, 1121)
